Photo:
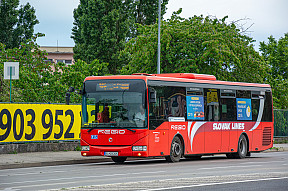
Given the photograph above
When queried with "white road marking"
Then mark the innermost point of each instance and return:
(217, 183)
(261, 162)
(84, 164)
(82, 177)
(223, 167)
(31, 173)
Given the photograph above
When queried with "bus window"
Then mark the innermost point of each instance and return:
(267, 113)
(228, 105)
(195, 103)
(243, 94)
(212, 105)
(256, 96)
(170, 102)
(244, 105)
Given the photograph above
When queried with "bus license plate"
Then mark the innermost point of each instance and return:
(111, 153)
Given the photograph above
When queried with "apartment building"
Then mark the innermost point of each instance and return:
(59, 54)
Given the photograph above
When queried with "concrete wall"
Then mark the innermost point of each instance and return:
(38, 147)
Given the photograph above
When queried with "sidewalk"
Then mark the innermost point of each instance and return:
(36, 159)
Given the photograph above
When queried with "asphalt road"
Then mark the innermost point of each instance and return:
(262, 171)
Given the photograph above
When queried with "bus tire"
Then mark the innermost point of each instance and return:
(242, 149)
(175, 151)
(119, 160)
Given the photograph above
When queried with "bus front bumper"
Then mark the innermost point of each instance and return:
(113, 151)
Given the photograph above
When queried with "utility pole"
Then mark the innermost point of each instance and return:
(159, 24)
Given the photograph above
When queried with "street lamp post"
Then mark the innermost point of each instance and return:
(159, 23)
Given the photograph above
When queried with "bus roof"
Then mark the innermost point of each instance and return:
(179, 77)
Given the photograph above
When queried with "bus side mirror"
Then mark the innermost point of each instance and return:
(152, 95)
(80, 92)
(71, 89)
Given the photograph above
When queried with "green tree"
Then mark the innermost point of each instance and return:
(196, 45)
(275, 54)
(74, 75)
(16, 25)
(101, 28)
(146, 11)
(31, 69)
(42, 81)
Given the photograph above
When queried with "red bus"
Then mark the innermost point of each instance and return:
(174, 115)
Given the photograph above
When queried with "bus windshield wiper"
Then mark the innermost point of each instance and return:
(131, 130)
(127, 129)
(100, 124)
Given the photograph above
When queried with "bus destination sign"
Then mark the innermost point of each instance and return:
(112, 86)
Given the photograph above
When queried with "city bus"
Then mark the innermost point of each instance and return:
(173, 116)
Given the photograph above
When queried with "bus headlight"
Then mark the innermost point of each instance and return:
(139, 148)
(85, 148)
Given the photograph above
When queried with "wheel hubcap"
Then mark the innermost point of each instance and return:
(242, 147)
(177, 149)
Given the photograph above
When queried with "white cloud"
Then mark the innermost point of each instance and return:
(268, 16)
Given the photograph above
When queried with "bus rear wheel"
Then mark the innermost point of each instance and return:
(242, 149)
(175, 151)
(119, 160)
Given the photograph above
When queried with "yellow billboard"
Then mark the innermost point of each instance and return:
(39, 122)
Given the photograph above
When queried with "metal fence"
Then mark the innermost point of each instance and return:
(280, 123)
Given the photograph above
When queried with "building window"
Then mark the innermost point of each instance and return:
(68, 62)
(60, 61)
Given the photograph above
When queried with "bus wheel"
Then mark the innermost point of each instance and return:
(119, 160)
(176, 150)
(242, 148)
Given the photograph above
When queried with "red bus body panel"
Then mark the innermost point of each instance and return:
(199, 137)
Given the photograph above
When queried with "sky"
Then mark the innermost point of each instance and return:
(267, 17)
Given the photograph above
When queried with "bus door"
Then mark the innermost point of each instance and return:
(158, 124)
(158, 139)
(228, 116)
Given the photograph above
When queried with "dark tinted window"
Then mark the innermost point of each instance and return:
(255, 109)
(211, 99)
(267, 113)
(170, 102)
(243, 94)
(228, 109)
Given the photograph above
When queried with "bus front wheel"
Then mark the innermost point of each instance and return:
(119, 160)
(175, 151)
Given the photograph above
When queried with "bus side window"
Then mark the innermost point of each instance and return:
(255, 101)
(228, 105)
(155, 119)
(212, 110)
(267, 113)
(170, 102)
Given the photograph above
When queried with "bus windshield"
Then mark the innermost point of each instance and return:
(114, 104)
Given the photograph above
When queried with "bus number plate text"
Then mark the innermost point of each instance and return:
(111, 153)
